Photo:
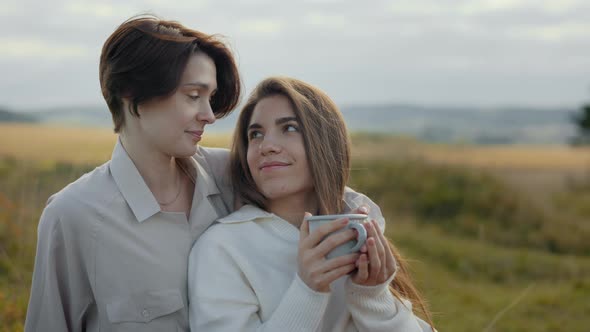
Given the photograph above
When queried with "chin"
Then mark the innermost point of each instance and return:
(277, 192)
(185, 152)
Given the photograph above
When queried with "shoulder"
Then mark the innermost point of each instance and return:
(219, 155)
(80, 200)
(218, 244)
(216, 158)
(229, 231)
(216, 163)
(355, 200)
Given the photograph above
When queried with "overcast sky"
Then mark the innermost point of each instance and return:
(439, 52)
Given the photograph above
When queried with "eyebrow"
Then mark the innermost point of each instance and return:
(199, 85)
(278, 121)
(285, 119)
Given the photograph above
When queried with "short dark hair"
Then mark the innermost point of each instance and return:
(145, 58)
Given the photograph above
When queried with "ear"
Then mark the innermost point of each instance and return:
(126, 104)
(128, 108)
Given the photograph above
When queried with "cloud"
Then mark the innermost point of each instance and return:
(561, 6)
(97, 9)
(325, 20)
(261, 26)
(558, 32)
(36, 48)
(466, 8)
(8, 8)
(408, 7)
(421, 50)
(485, 6)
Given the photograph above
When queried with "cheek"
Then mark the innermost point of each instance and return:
(186, 114)
(251, 158)
(179, 112)
(304, 163)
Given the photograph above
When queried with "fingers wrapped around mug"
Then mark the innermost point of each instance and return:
(363, 209)
(377, 264)
(314, 269)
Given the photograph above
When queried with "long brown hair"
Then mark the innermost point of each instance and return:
(327, 145)
(324, 137)
(144, 59)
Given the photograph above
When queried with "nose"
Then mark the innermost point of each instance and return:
(205, 114)
(269, 146)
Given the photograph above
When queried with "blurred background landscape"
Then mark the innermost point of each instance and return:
(469, 119)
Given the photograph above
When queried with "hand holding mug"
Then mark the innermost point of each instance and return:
(324, 250)
(377, 264)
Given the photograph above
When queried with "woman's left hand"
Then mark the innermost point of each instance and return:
(376, 264)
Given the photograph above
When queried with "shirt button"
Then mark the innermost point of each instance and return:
(145, 313)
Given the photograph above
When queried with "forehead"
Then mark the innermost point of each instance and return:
(271, 108)
(200, 68)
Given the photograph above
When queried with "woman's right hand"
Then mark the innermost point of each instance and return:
(313, 268)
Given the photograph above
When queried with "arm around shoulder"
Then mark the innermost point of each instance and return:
(355, 200)
(218, 161)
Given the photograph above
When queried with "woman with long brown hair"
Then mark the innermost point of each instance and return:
(261, 268)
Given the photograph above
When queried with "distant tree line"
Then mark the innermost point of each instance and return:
(8, 116)
(582, 121)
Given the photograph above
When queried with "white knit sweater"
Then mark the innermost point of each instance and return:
(243, 277)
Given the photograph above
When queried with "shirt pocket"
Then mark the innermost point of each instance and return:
(145, 311)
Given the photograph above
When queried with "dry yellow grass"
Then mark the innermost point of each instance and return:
(94, 145)
(499, 157)
(77, 145)
(549, 157)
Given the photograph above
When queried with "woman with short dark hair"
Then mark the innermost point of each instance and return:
(113, 246)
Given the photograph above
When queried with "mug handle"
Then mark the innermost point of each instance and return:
(362, 235)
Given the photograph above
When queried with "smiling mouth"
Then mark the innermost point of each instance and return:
(273, 166)
(197, 135)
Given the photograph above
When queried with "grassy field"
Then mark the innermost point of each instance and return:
(497, 236)
(94, 145)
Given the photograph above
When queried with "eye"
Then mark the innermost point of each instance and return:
(291, 128)
(253, 134)
(194, 97)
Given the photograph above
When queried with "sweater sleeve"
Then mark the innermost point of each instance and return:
(60, 291)
(374, 308)
(222, 299)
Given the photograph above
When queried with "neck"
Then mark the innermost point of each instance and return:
(158, 170)
(293, 208)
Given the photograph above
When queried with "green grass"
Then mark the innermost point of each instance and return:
(466, 202)
(577, 198)
(485, 258)
(24, 189)
(469, 283)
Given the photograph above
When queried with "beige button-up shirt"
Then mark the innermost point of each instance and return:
(109, 260)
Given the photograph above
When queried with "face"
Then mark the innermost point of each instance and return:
(276, 155)
(174, 125)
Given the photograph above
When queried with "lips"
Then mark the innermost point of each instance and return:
(271, 165)
(196, 134)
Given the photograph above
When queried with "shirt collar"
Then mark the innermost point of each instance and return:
(131, 185)
(246, 213)
(251, 213)
(135, 191)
